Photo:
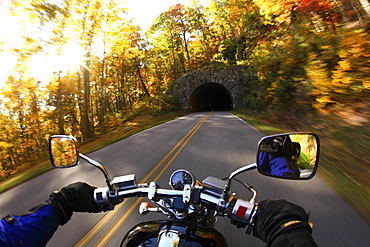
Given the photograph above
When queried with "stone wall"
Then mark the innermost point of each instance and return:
(233, 78)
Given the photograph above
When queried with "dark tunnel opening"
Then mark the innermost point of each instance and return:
(210, 97)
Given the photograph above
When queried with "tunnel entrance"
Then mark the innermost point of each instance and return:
(210, 97)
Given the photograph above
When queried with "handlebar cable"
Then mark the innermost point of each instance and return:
(246, 185)
(250, 188)
(234, 174)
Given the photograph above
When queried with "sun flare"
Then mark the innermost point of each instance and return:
(14, 32)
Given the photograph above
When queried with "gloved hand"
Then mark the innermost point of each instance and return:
(76, 197)
(278, 217)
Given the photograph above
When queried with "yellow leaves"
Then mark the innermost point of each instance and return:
(5, 144)
(339, 76)
(344, 65)
(366, 83)
(278, 8)
(318, 74)
(321, 101)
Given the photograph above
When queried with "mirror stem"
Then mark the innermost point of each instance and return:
(234, 174)
(101, 168)
(240, 170)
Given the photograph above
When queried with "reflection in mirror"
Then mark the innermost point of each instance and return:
(63, 151)
(292, 156)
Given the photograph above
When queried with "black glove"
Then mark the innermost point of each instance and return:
(281, 223)
(76, 197)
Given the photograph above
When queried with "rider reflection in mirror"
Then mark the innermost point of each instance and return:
(280, 157)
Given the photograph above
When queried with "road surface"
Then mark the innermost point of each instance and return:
(207, 144)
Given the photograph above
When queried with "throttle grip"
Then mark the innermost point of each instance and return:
(102, 199)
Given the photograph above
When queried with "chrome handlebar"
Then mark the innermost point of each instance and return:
(240, 211)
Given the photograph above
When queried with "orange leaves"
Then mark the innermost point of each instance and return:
(176, 10)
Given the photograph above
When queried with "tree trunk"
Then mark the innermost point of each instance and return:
(142, 81)
(86, 130)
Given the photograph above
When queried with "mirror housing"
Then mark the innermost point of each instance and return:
(63, 151)
(289, 156)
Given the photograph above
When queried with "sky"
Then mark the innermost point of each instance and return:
(143, 12)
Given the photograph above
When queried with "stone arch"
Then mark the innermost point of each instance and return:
(227, 82)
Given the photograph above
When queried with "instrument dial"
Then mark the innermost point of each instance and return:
(180, 178)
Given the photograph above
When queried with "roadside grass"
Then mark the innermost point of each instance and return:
(25, 175)
(344, 155)
(128, 128)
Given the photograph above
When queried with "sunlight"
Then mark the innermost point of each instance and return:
(42, 65)
(72, 56)
(9, 37)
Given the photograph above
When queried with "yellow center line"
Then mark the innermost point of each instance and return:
(128, 212)
(115, 227)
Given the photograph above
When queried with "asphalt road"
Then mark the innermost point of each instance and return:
(216, 147)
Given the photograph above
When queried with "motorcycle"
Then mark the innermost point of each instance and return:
(192, 206)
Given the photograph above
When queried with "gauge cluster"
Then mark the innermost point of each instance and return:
(180, 178)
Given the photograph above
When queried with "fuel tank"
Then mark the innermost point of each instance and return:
(172, 233)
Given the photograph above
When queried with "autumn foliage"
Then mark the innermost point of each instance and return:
(303, 55)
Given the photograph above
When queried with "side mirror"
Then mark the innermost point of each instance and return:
(63, 151)
(289, 156)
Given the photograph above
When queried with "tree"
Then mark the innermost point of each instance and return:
(239, 26)
(170, 31)
(90, 23)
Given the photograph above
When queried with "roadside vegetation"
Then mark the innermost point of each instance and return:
(307, 62)
(308, 53)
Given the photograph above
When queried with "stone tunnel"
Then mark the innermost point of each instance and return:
(210, 89)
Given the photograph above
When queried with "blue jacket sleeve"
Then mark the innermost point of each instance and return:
(33, 229)
(280, 167)
(274, 165)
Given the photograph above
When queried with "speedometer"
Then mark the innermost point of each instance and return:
(180, 178)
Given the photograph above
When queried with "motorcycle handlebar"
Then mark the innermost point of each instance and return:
(241, 212)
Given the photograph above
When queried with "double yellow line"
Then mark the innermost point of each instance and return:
(119, 222)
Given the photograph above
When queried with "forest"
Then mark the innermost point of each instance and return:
(305, 55)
